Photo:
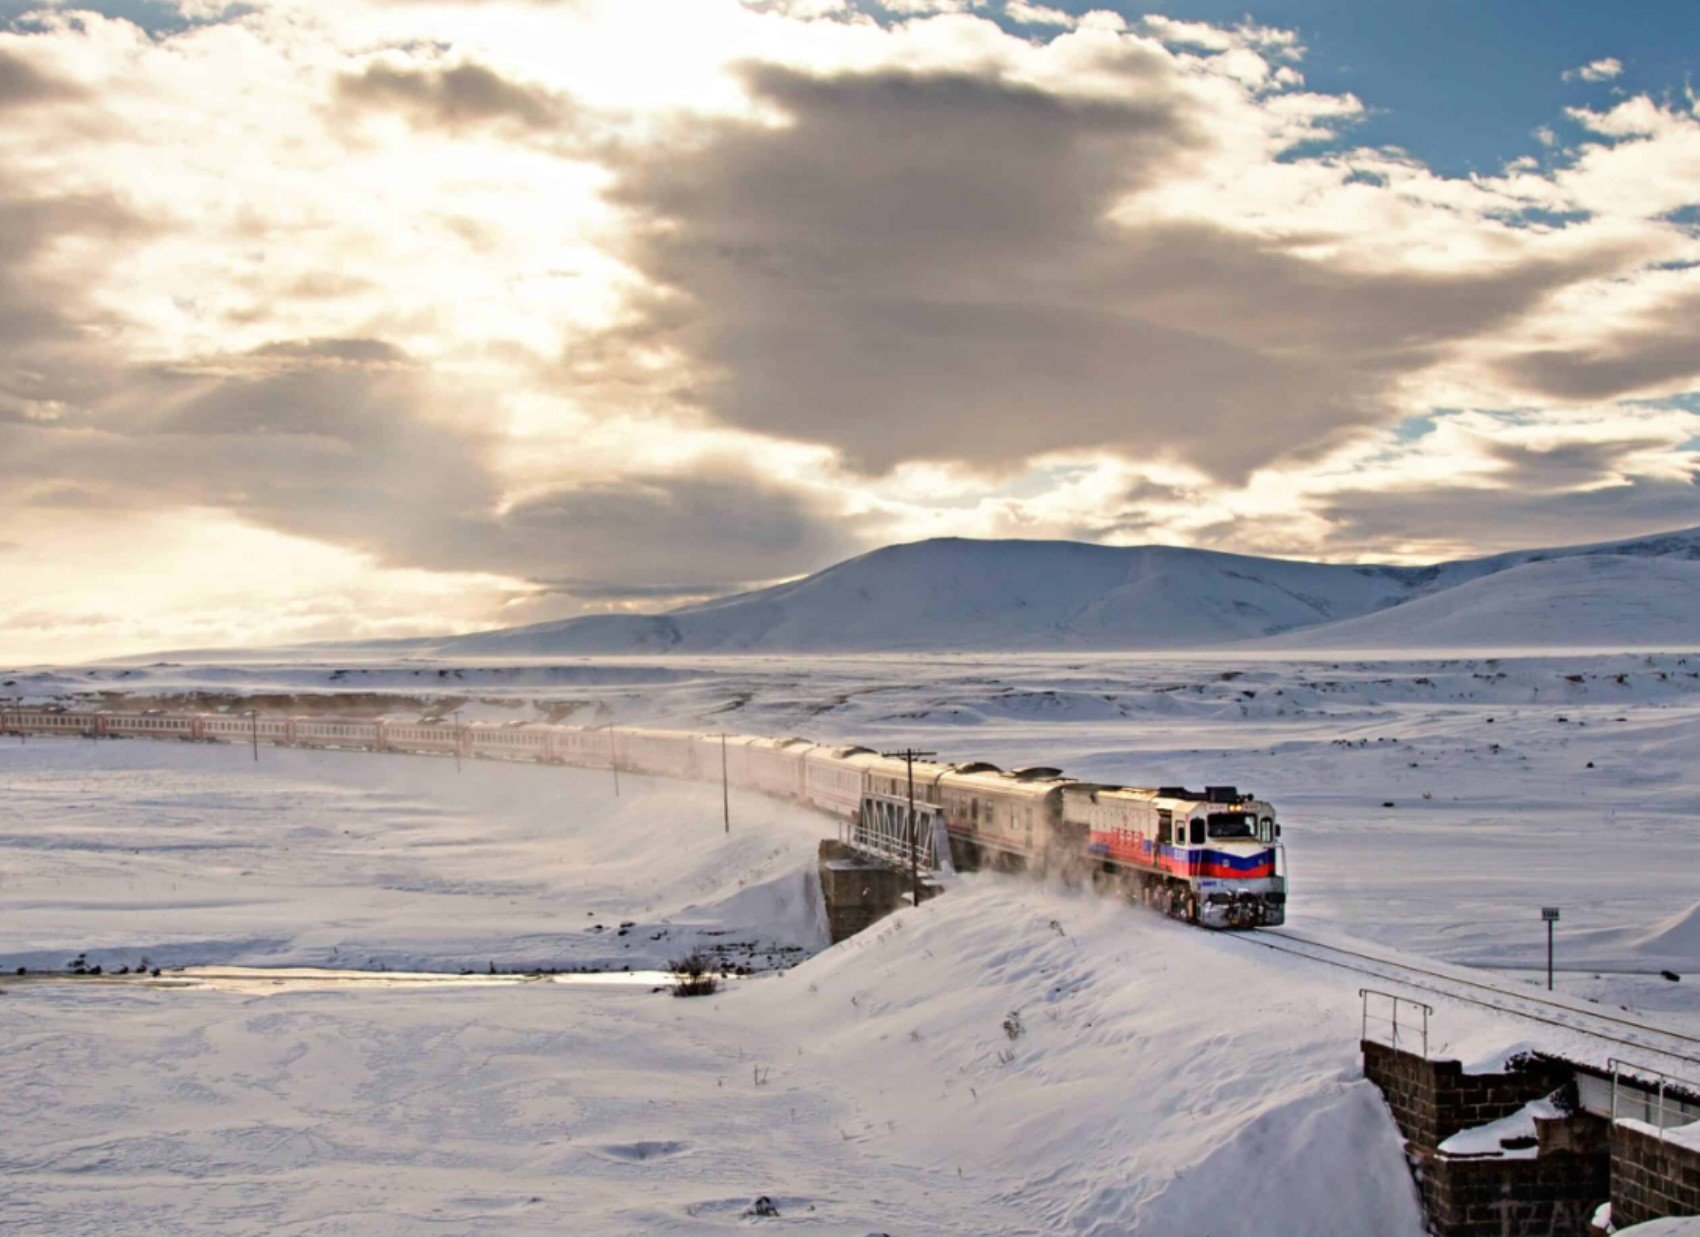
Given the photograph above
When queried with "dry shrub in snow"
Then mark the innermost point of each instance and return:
(691, 976)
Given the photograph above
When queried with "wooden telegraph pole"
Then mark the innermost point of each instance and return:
(725, 790)
(614, 759)
(908, 755)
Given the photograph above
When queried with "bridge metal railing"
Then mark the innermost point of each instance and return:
(1652, 1097)
(1387, 1023)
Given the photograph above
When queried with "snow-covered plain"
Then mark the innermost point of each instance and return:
(1161, 1076)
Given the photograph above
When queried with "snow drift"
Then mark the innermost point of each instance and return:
(1117, 1073)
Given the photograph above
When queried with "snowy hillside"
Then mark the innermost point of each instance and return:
(1037, 595)
(1596, 601)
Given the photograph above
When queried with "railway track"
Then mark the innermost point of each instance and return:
(1613, 1028)
(1594, 1023)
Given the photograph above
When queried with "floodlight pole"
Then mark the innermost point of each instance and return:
(725, 788)
(254, 732)
(1550, 915)
(456, 716)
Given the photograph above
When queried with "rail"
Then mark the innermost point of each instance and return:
(1605, 1028)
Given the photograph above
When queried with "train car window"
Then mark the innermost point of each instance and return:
(1198, 833)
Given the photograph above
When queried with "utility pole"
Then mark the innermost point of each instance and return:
(614, 759)
(908, 754)
(1550, 915)
(456, 716)
(725, 790)
(254, 732)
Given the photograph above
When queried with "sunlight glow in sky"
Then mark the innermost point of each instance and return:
(384, 317)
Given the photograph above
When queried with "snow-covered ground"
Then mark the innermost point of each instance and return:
(1159, 1077)
(1433, 804)
(192, 854)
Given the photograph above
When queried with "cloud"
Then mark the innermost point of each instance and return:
(23, 84)
(914, 8)
(1037, 14)
(35, 300)
(454, 97)
(1465, 521)
(1654, 355)
(1477, 483)
(1601, 70)
(931, 266)
(722, 521)
(352, 443)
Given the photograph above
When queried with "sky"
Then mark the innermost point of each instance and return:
(366, 318)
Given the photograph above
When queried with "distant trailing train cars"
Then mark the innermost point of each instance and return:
(1211, 857)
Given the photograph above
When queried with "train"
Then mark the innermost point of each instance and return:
(1212, 857)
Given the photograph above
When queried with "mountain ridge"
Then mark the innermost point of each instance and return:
(1021, 595)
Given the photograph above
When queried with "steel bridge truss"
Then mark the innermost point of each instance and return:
(882, 831)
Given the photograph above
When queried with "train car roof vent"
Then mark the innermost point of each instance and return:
(1222, 794)
(978, 766)
(1035, 772)
(1175, 792)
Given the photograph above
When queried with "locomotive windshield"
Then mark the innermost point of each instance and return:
(1232, 826)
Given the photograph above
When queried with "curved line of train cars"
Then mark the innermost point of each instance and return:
(1212, 857)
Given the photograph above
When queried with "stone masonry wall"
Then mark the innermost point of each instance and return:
(857, 893)
(1433, 1100)
(1652, 1177)
(1551, 1195)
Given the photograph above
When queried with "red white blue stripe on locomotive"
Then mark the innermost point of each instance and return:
(1199, 861)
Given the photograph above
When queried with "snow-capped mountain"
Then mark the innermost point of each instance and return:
(954, 594)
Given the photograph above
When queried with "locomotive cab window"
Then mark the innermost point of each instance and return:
(1230, 826)
(1197, 832)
